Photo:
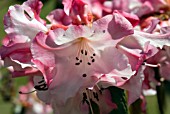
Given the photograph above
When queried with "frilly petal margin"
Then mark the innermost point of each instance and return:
(21, 19)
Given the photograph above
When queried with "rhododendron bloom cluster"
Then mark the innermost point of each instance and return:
(87, 47)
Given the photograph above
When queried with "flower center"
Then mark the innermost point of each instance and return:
(85, 54)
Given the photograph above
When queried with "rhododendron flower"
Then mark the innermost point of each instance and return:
(80, 103)
(87, 47)
(78, 57)
(141, 46)
(21, 23)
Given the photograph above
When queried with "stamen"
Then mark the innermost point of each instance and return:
(100, 88)
(89, 99)
(20, 92)
(151, 65)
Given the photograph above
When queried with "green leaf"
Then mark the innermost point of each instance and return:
(119, 98)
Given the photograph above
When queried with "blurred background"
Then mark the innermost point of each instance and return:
(9, 89)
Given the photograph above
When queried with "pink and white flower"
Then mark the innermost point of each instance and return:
(77, 57)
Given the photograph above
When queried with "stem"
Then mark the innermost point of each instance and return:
(135, 108)
(160, 91)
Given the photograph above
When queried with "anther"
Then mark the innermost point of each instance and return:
(41, 87)
(41, 81)
(20, 92)
(84, 75)
(89, 63)
(84, 96)
(104, 31)
(81, 51)
(85, 52)
(125, 78)
(96, 96)
(94, 54)
(77, 58)
(80, 61)
(93, 60)
(77, 63)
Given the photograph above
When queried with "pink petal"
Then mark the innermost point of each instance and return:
(157, 40)
(13, 38)
(134, 86)
(144, 9)
(119, 27)
(132, 18)
(58, 16)
(78, 11)
(18, 22)
(35, 6)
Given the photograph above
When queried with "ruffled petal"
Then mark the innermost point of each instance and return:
(122, 27)
(58, 16)
(20, 19)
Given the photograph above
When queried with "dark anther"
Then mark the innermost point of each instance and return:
(77, 58)
(104, 31)
(81, 51)
(100, 91)
(96, 96)
(102, 88)
(77, 63)
(85, 98)
(41, 81)
(124, 78)
(81, 61)
(89, 63)
(85, 52)
(91, 57)
(27, 15)
(94, 54)
(84, 75)
(93, 60)
(41, 87)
